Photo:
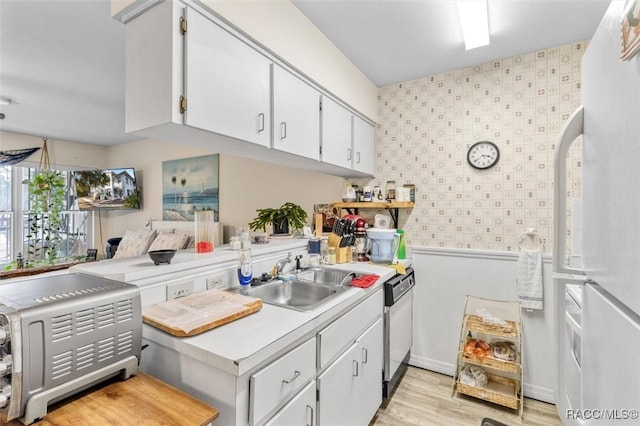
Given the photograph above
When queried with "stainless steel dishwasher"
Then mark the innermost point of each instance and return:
(398, 328)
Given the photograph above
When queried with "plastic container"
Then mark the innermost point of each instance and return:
(245, 267)
(384, 244)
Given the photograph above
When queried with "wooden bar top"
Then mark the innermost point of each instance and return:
(140, 400)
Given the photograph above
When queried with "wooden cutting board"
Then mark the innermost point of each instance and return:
(199, 312)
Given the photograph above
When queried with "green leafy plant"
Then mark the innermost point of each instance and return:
(47, 198)
(288, 216)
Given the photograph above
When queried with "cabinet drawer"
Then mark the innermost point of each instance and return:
(280, 380)
(300, 411)
(342, 332)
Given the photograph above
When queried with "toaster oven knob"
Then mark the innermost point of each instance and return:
(4, 335)
(5, 366)
(5, 394)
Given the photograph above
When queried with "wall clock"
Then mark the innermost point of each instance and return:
(483, 155)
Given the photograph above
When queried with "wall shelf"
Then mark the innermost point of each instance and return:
(392, 207)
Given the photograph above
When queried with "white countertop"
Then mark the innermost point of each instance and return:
(241, 345)
(141, 267)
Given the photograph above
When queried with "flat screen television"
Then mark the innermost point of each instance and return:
(106, 189)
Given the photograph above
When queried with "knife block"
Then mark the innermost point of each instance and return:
(343, 254)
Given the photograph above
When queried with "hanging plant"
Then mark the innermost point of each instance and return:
(47, 197)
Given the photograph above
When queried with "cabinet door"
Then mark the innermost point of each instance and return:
(296, 115)
(300, 411)
(227, 83)
(369, 380)
(337, 387)
(336, 134)
(363, 146)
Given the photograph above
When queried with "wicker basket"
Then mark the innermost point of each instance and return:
(491, 362)
(475, 323)
(499, 390)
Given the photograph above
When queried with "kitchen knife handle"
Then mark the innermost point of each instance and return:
(295, 376)
(283, 130)
(261, 122)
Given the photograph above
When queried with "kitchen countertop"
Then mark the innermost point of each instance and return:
(141, 267)
(268, 331)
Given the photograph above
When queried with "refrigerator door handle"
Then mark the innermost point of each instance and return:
(573, 128)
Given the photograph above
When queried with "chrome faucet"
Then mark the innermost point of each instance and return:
(280, 264)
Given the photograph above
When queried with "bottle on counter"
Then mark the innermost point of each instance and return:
(402, 249)
(245, 267)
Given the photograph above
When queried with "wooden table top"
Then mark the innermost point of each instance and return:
(140, 400)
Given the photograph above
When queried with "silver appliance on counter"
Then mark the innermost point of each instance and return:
(398, 328)
(62, 334)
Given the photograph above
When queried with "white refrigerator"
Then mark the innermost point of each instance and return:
(598, 304)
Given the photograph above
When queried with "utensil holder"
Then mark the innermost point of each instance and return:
(343, 255)
(204, 231)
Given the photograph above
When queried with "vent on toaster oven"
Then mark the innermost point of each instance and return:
(74, 293)
(87, 320)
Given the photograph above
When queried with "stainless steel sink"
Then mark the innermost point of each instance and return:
(295, 294)
(335, 277)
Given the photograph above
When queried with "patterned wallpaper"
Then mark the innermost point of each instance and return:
(426, 125)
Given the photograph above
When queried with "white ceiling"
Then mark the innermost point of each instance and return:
(62, 61)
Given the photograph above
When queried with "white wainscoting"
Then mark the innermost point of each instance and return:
(444, 278)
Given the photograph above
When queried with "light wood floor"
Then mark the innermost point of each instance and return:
(424, 398)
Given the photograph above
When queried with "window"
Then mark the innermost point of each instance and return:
(14, 217)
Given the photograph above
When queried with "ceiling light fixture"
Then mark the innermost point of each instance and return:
(474, 21)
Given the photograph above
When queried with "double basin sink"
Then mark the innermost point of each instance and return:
(308, 290)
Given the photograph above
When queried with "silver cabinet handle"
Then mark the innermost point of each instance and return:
(295, 376)
(358, 157)
(283, 130)
(355, 368)
(365, 355)
(349, 152)
(261, 122)
(309, 415)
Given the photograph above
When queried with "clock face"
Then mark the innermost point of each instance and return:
(483, 155)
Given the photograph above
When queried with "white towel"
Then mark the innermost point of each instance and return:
(529, 279)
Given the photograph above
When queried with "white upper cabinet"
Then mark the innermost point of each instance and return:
(336, 134)
(296, 115)
(363, 146)
(227, 83)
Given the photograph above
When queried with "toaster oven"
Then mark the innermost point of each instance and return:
(62, 334)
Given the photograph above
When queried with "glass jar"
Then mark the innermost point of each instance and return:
(390, 189)
(204, 231)
(332, 256)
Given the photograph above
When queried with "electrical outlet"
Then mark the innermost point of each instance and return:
(179, 290)
(218, 281)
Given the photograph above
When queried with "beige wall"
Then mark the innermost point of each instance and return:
(62, 154)
(245, 185)
(426, 126)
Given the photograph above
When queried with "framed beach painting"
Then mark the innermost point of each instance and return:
(630, 30)
(190, 185)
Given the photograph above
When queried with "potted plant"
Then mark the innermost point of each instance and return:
(47, 201)
(287, 217)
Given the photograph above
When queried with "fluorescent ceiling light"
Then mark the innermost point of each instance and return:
(474, 21)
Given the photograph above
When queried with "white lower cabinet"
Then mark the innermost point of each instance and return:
(300, 411)
(350, 390)
(280, 380)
